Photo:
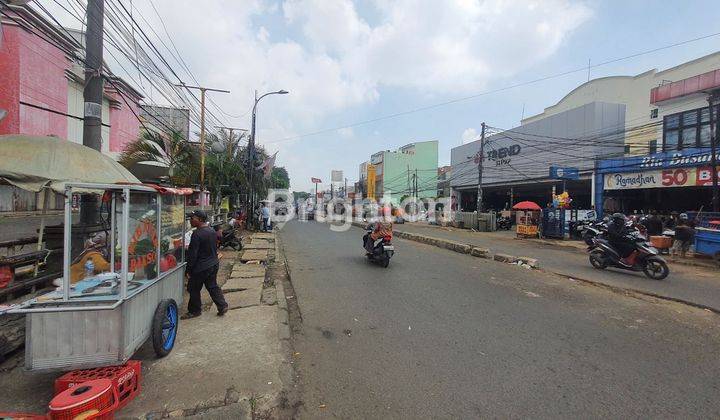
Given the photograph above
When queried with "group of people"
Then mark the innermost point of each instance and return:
(653, 225)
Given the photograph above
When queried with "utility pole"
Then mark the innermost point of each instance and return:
(93, 97)
(345, 194)
(202, 125)
(230, 134)
(712, 100)
(481, 158)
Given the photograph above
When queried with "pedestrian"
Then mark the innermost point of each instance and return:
(653, 224)
(684, 236)
(202, 266)
(265, 217)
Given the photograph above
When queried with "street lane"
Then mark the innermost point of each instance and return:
(440, 334)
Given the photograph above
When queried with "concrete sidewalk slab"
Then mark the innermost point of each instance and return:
(245, 298)
(255, 255)
(263, 235)
(216, 360)
(240, 283)
(259, 244)
(248, 270)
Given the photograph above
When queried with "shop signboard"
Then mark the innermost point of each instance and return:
(371, 182)
(666, 178)
(558, 172)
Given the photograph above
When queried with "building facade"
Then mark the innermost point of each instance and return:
(605, 123)
(408, 171)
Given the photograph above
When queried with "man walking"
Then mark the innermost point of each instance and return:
(202, 266)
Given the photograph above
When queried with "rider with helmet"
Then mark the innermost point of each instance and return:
(617, 236)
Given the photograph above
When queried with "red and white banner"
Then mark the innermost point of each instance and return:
(316, 180)
(661, 178)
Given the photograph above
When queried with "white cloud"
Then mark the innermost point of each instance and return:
(469, 135)
(340, 61)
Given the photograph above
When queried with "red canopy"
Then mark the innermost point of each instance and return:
(526, 205)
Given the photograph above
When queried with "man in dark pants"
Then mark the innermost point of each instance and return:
(202, 266)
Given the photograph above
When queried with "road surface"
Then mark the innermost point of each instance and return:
(444, 335)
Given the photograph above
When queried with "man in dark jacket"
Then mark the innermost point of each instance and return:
(202, 266)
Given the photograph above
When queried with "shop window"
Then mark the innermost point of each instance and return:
(172, 217)
(688, 129)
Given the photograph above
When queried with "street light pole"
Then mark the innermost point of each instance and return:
(481, 158)
(249, 201)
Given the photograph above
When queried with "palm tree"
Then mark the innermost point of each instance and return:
(169, 150)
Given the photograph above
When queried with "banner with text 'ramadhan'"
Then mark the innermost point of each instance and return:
(668, 178)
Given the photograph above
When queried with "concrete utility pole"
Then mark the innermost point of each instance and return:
(93, 97)
(712, 100)
(481, 159)
(202, 125)
(230, 135)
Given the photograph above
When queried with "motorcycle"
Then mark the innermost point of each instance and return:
(592, 230)
(647, 260)
(382, 250)
(227, 238)
(503, 223)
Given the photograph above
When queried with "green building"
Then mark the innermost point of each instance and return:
(410, 169)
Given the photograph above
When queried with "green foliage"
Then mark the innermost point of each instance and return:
(279, 178)
(170, 150)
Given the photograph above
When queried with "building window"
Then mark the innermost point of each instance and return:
(687, 129)
(627, 149)
(654, 113)
(652, 147)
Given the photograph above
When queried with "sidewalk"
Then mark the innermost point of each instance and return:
(694, 285)
(233, 366)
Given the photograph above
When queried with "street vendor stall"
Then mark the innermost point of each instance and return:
(528, 219)
(107, 306)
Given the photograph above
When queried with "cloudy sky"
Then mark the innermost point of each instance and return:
(355, 68)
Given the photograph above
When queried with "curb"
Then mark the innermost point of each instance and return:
(618, 289)
(461, 248)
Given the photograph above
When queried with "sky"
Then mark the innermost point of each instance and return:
(373, 75)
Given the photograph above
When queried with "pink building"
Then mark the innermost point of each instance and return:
(41, 85)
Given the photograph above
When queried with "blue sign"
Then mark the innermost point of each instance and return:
(564, 173)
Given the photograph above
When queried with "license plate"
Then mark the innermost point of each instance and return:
(388, 248)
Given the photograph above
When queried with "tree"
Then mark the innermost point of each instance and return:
(169, 150)
(301, 195)
(279, 178)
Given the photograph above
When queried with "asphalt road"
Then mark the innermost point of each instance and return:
(690, 284)
(444, 335)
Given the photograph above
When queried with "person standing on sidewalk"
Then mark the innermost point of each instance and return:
(265, 217)
(202, 266)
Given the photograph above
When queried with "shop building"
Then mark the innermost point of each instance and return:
(676, 180)
(410, 170)
(603, 119)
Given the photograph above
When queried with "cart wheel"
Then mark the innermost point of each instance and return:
(164, 327)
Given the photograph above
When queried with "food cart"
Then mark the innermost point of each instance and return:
(527, 218)
(107, 306)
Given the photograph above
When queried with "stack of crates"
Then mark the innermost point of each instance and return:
(125, 378)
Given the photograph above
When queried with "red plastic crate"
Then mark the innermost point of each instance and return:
(125, 378)
(95, 399)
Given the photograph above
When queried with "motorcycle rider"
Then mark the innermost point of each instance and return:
(382, 227)
(617, 231)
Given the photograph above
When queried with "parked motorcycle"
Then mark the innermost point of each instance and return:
(227, 238)
(647, 260)
(382, 250)
(503, 223)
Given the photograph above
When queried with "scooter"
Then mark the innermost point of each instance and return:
(503, 223)
(645, 257)
(383, 248)
(227, 238)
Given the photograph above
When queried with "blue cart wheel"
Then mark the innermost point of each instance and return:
(164, 327)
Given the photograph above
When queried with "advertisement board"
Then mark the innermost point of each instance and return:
(336, 176)
(662, 178)
(371, 182)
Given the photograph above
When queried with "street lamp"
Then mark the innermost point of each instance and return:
(249, 202)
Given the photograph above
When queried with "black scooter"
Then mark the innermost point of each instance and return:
(383, 248)
(503, 223)
(647, 260)
(227, 238)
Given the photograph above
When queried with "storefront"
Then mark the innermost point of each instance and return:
(665, 182)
